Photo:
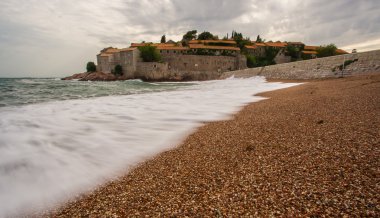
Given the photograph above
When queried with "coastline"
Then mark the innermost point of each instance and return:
(307, 150)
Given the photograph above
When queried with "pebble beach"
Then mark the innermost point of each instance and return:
(309, 150)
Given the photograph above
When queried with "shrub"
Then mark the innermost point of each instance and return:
(346, 63)
(91, 67)
(251, 61)
(326, 51)
(118, 71)
(149, 54)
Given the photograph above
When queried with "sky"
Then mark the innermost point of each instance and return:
(56, 38)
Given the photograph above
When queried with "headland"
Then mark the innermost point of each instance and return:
(206, 57)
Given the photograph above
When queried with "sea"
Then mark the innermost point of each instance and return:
(59, 139)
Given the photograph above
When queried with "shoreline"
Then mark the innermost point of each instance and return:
(295, 153)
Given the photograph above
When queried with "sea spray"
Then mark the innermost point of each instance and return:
(53, 150)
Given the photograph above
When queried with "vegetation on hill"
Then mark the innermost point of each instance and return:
(91, 67)
(326, 50)
(149, 54)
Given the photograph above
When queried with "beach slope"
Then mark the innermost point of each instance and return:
(309, 150)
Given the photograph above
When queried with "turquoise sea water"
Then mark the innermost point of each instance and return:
(21, 91)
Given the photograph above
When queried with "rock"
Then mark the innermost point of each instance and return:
(76, 76)
(99, 76)
(94, 76)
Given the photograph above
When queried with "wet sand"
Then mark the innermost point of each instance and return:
(310, 150)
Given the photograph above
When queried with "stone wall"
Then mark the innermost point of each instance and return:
(203, 63)
(151, 70)
(128, 61)
(366, 62)
(183, 67)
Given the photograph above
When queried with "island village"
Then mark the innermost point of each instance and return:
(199, 57)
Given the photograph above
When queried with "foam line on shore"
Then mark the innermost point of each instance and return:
(51, 151)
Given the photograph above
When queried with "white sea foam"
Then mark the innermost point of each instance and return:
(51, 151)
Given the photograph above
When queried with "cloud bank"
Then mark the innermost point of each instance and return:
(53, 38)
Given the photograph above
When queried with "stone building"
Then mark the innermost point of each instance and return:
(281, 56)
(256, 49)
(299, 45)
(309, 52)
(129, 57)
(107, 59)
(206, 56)
(259, 50)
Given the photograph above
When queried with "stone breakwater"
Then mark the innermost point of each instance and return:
(329, 67)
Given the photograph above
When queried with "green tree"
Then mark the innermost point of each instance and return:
(118, 71)
(91, 67)
(259, 39)
(163, 39)
(270, 54)
(149, 54)
(205, 36)
(190, 35)
(293, 52)
(240, 40)
(326, 51)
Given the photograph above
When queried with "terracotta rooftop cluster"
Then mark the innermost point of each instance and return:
(308, 49)
(225, 44)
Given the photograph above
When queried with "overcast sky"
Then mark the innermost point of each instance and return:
(54, 38)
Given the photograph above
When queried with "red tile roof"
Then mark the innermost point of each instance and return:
(260, 44)
(110, 50)
(296, 43)
(276, 44)
(250, 46)
(172, 48)
(212, 41)
(152, 44)
(105, 54)
(201, 46)
(128, 49)
(311, 47)
(309, 52)
(340, 51)
(140, 44)
(163, 44)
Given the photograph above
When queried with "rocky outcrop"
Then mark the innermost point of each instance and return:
(94, 76)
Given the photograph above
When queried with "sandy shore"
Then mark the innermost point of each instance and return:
(309, 150)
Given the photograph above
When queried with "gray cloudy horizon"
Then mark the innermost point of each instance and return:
(55, 38)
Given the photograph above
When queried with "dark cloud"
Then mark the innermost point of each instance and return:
(32, 30)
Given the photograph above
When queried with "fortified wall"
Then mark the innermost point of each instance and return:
(364, 62)
(189, 67)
